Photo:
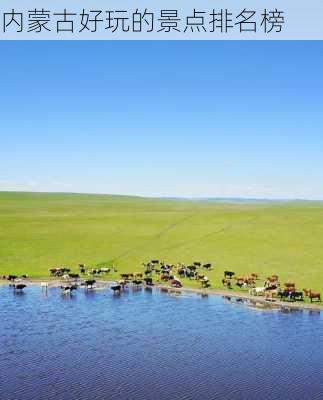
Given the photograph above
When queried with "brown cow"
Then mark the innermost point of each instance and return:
(175, 283)
(312, 295)
(226, 282)
(272, 279)
(290, 286)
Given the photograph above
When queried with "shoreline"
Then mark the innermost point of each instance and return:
(277, 304)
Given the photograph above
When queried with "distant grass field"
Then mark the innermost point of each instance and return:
(39, 231)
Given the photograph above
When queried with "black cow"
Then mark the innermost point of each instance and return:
(89, 283)
(296, 296)
(68, 289)
(73, 276)
(149, 281)
(190, 274)
(116, 288)
(288, 294)
(19, 287)
(292, 295)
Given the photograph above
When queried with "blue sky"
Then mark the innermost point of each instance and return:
(163, 118)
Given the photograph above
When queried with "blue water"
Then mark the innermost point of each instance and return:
(151, 345)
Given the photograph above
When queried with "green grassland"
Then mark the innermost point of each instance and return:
(40, 230)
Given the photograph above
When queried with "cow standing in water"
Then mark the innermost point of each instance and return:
(68, 289)
(116, 288)
(19, 287)
(89, 283)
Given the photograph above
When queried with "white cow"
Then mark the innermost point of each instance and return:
(257, 291)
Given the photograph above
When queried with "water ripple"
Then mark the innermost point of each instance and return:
(149, 345)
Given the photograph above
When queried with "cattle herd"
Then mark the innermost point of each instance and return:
(171, 274)
(270, 289)
(65, 272)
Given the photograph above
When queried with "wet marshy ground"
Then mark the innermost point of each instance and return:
(146, 344)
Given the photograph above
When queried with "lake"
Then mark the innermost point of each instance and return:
(147, 344)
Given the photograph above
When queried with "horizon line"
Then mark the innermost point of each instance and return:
(171, 197)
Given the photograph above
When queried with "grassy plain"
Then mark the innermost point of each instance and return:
(41, 230)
